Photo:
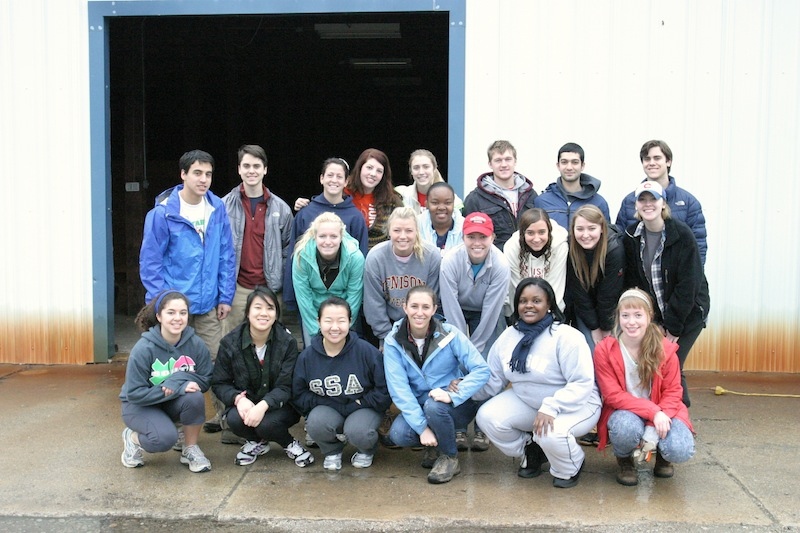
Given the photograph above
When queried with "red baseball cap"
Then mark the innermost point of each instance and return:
(478, 223)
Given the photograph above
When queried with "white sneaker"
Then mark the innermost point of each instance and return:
(132, 452)
(178, 446)
(250, 452)
(195, 458)
(301, 456)
(361, 460)
(333, 462)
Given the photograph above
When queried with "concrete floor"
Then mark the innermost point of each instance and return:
(60, 469)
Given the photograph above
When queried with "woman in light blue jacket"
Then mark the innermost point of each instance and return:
(424, 362)
(327, 262)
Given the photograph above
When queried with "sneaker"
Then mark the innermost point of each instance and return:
(310, 443)
(301, 456)
(214, 425)
(532, 461)
(444, 469)
(590, 439)
(361, 460)
(229, 437)
(568, 483)
(429, 457)
(132, 452)
(195, 458)
(332, 462)
(480, 442)
(250, 452)
(461, 441)
(178, 446)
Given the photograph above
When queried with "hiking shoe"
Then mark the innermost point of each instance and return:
(178, 446)
(590, 439)
(132, 452)
(532, 461)
(444, 469)
(461, 441)
(229, 437)
(361, 460)
(250, 452)
(627, 474)
(429, 457)
(333, 462)
(213, 425)
(195, 458)
(480, 442)
(301, 456)
(568, 483)
(663, 467)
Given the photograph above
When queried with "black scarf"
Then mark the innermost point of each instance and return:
(529, 333)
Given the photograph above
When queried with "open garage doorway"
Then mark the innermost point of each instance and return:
(305, 86)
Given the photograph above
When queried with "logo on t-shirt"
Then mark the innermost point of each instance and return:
(161, 371)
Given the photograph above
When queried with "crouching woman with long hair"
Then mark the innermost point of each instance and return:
(639, 376)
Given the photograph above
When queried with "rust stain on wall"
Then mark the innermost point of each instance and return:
(773, 347)
(47, 340)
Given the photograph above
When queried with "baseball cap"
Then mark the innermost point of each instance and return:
(653, 187)
(478, 223)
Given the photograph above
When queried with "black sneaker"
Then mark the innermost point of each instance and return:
(590, 439)
(532, 461)
(568, 483)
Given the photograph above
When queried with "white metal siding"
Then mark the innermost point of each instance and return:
(45, 273)
(717, 80)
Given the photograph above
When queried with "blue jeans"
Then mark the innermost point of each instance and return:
(625, 430)
(443, 419)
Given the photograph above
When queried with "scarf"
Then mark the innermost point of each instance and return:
(529, 333)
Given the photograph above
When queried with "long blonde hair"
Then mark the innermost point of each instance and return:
(311, 233)
(588, 274)
(651, 351)
(407, 213)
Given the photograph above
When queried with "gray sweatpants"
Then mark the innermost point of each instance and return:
(360, 429)
(155, 424)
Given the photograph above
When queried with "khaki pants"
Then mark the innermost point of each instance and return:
(209, 328)
(236, 316)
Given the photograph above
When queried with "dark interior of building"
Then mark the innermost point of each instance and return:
(305, 87)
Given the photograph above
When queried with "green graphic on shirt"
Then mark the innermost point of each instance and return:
(161, 371)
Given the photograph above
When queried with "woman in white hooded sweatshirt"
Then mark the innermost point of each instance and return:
(539, 249)
(553, 396)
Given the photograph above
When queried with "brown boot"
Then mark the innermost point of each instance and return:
(663, 467)
(627, 474)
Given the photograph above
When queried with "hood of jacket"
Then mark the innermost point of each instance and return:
(317, 346)
(487, 184)
(589, 187)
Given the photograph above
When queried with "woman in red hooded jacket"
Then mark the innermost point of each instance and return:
(638, 373)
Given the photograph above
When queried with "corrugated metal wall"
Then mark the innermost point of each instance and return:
(45, 235)
(717, 80)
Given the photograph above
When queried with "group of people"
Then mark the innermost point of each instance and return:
(414, 302)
